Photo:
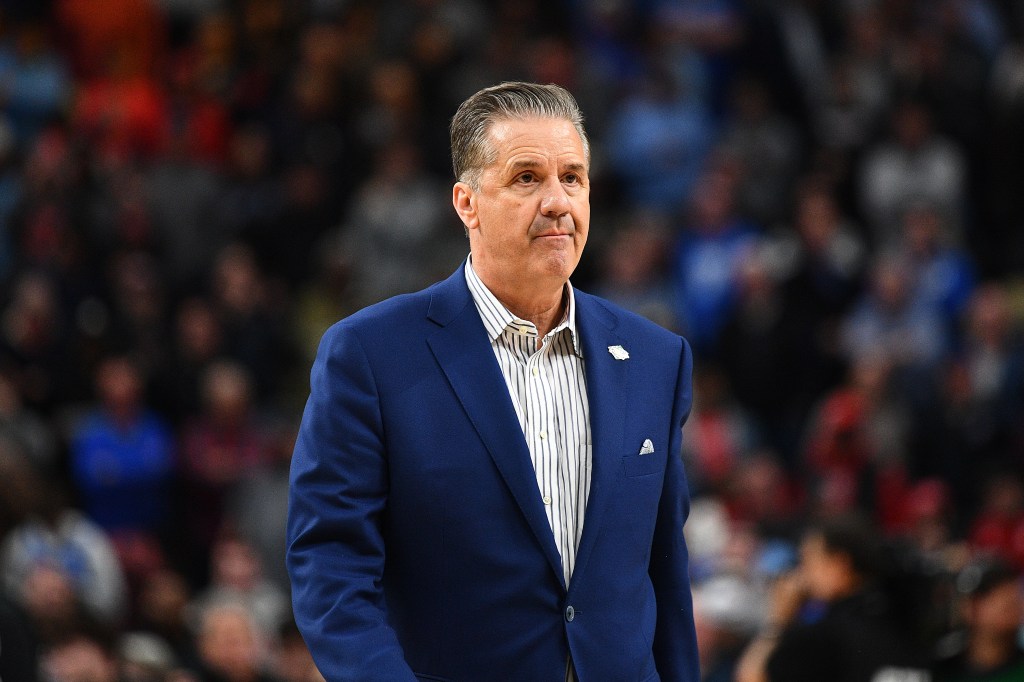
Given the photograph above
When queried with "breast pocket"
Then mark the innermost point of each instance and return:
(643, 465)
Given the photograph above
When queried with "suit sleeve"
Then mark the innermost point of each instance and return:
(675, 641)
(338, 493)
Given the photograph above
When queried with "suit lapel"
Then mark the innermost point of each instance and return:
(607, 395)
(462, 349)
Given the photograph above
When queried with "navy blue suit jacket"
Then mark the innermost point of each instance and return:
(418, 545)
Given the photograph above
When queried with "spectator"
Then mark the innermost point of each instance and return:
(56, 613)
(398, 230)
(392, 113)
(855, 637)
(33, 342)
(251, 200)
(758, 349)
(231, 646)
(659, 139)
(257, 509)
(943, 274)
(24, 428)
(35, 78)
(82, 658)
(636, 269)
(972, 429)
(138, 315)
(767, 148)
(989, 649)
(58, 545)
(839, 458)
(857, 445)
(916, 165)
(180, 194)
(888, 320)
(249, 316)
(220, 446)
(707, 266)
(162, 607)
(309, 202)
(862, 82)
(820, 263)
(998, 527)
(122, 455)
(198, 342)
(237, 576)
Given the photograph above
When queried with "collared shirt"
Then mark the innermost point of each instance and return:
(548, 388)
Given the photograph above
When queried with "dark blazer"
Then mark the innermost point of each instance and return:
(418, 545)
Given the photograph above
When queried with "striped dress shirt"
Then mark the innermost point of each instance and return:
(548, 387)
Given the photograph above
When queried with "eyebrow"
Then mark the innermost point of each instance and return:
(528, 164)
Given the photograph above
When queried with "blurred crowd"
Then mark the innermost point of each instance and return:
(822, 196)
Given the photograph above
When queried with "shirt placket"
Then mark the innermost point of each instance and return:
(547, 441)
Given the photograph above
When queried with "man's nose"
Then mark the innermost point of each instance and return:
(555, 202)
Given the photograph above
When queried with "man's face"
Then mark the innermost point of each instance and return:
(529, 218)
(826, 574)
(998, 612)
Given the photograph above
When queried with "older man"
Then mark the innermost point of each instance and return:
(487, 482)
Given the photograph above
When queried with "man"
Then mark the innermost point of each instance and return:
(833, 619)
(486, 483)
(989, 649)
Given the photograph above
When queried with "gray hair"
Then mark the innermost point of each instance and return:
(471, 150)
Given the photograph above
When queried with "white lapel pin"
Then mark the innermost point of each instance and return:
(618, 352)
(647, 448)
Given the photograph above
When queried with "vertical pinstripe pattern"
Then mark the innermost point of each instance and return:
(548, 388)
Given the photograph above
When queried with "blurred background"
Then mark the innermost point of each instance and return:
(825, 197)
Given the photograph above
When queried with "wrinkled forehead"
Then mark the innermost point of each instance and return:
(496, 133)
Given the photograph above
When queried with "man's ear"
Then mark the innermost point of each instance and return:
(464, 201)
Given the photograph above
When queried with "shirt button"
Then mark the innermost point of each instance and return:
(547, 499)
(543, 435)
(536, 371)
(570, 613)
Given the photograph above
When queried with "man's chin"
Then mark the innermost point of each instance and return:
(559, 264)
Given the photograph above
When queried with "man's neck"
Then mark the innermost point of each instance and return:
(543, 315)
(545, 308)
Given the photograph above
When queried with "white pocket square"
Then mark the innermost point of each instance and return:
(647, 448)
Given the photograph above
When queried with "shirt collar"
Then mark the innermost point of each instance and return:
(497, 318)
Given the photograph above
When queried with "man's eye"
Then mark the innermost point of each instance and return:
(571, 178)
(527, 178)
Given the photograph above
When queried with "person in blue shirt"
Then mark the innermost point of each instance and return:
(122, 454)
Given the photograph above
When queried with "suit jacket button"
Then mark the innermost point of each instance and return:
(570, 613)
